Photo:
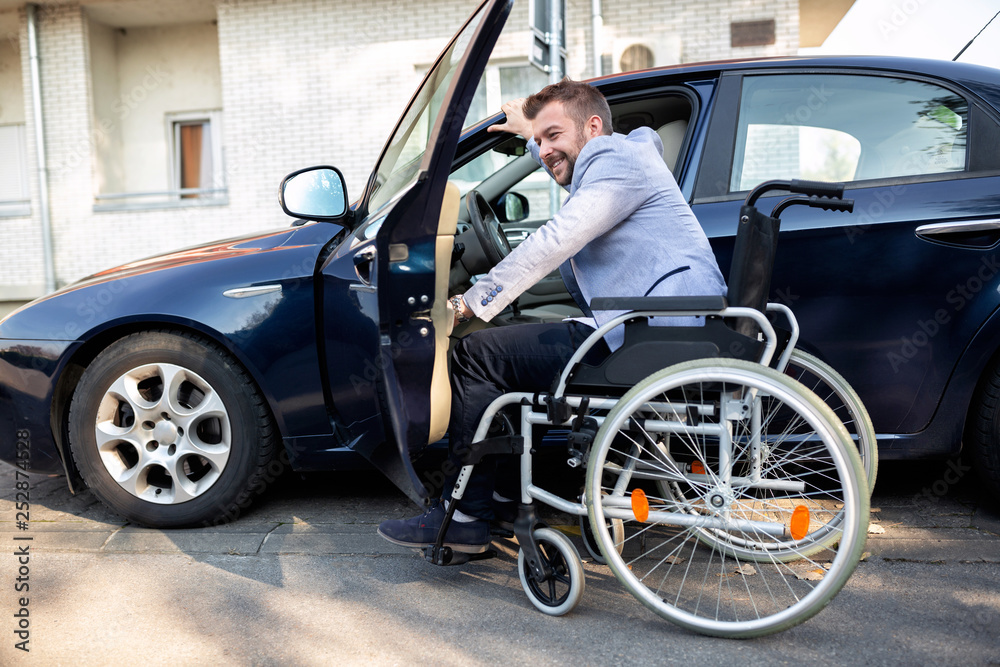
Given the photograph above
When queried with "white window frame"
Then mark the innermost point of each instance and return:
(214, 119)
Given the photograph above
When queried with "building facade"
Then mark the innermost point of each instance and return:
(167, 124)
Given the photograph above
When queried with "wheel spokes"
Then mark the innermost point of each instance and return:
(163, 433)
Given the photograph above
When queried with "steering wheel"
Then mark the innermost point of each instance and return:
(487, 226)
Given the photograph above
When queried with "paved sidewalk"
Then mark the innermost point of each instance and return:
(61, 522)
(303, 579)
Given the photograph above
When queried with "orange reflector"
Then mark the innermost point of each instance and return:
(799, 524)
(698, 468)
(640, 506)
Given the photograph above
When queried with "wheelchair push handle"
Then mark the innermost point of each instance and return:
(814, 194)
(846, 205)
(816, 189)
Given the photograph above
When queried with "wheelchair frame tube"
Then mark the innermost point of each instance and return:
(620, 507)
(463, 480)
(736, 482)
(553, 500)
(526, 455)
(755, 429)
(793, 327)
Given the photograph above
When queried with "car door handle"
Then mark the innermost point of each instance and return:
(936, 230)
(363, 263)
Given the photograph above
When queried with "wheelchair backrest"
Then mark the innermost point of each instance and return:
(753, 262)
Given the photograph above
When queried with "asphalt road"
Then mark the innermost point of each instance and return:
(302, 579)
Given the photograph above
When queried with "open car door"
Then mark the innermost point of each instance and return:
(409, 190)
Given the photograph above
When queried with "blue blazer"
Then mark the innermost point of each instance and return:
(624, 230)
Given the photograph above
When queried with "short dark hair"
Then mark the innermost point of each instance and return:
(580, 100)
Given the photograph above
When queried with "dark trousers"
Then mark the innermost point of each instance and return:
(492, 362)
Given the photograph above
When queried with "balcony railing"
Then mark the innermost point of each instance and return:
(15, 208)
(182, 198)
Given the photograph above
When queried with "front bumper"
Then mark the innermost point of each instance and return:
(28, 373)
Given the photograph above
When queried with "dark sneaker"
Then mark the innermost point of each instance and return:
(472, 537)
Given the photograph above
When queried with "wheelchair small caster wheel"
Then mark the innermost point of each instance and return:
(561, 592)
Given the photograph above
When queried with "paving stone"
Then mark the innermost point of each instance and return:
(189, 542)
(329, 539)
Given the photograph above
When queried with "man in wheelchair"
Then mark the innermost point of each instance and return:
(624, 230)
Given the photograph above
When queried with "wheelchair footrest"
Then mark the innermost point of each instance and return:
(447, 556)
(501, 532)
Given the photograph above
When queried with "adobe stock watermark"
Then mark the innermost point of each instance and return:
(267, 136)
(22, 542)
(931, 495)
(915, 163)
(275, 468)
(96, 304)
(123, 106)
(899, 15)
(885, 198)
(365, 382)
(957, 299)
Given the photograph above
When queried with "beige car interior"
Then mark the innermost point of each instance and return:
(672, 136)
(441, 314)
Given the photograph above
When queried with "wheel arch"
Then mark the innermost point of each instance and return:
(98, 340)
(964, 385)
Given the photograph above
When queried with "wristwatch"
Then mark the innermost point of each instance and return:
(456, 303)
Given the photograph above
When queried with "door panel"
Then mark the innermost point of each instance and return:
(412, 288)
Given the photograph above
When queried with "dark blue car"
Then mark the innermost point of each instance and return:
(178, 386)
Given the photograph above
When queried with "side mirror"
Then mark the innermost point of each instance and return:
(513, 207)
(316, 193)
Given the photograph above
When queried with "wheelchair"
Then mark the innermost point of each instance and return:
(722, 492)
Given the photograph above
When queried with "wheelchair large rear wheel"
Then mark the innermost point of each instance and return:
(770, 512)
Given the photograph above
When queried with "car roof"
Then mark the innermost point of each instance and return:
(985, 81)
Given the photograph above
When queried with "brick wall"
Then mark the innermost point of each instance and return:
(703, 28)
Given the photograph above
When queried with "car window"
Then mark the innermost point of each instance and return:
(472, 173)
(840, 127)
(406, 148)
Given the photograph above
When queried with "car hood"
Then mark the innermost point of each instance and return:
(198, 267)
(207, 252)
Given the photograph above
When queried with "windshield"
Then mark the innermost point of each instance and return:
(406, 148)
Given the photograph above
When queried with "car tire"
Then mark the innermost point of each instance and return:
(168, 430)
(982, 432)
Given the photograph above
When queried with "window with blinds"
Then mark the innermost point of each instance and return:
(14, 197)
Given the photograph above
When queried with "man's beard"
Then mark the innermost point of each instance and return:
(570, 162)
